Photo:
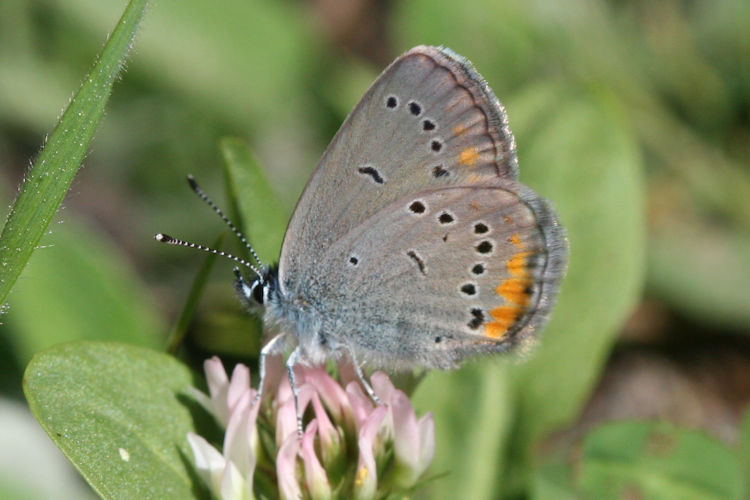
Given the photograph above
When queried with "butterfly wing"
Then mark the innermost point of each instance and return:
(428, 121)
(413, 242)
(444, 274)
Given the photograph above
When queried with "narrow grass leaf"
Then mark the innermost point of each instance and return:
(53, 171)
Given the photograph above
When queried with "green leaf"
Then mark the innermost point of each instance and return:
(261, 213)
(702, 269)
(582, 156)
(552, 482)
(121, 415)
(654, 460)
(576, 150)
(53, 171)
(473, 411)
(86, 292)
(745, 447)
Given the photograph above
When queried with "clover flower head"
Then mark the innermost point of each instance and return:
(350, 448)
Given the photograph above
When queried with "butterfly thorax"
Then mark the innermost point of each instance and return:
(298, 317)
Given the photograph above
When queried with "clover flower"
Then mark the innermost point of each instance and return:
(350, 448)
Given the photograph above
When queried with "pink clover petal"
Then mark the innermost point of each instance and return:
(286, 464)
(286, 416)
(316, 479)
(240, 439)
(218, 385)
(406, 441)
(359, 402)
(233, 485)
(208, 461)
(330, 442)
(426, 441)
(239, 384)
(405, 430)
(330, 391)
(366, 480)
(383, 387)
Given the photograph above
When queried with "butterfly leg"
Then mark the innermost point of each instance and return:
(267, 349)
(290, 362)
(361, 377)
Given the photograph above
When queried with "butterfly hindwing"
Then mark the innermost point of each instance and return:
(444, 274)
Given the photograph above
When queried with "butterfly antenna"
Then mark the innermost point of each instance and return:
(203, 196)
(165, 238)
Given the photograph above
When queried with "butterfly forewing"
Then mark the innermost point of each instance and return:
(427, 122)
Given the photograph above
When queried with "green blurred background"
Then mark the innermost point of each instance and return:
(631, 116)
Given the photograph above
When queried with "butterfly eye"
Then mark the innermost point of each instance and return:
(257, 293)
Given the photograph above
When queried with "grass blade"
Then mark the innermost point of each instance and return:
(52, 173)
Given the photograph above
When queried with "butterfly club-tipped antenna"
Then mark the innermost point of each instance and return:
(203, 196)
(255, 267)
(169, 240)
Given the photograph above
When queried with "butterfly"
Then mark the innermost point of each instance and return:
(413, 243)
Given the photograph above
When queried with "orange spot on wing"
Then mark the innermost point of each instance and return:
(468, 156)
(508, 219)
(459, 129)
(504, 316)
(514, 290)
(495, 330)
(473, 205)
(516, 240)
(517, 264)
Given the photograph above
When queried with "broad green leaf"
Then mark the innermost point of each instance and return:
(655, 461)
(78, 287)
(553, 482)
(473, 410)
(53, 171)
(31, 466)
(577, 152)
(702, 269)
(261, 213)
(121, 414)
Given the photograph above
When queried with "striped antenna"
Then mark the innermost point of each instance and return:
(165, 238)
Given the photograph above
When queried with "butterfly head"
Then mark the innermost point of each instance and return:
(256, 293)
